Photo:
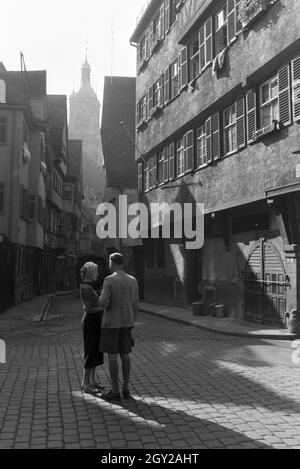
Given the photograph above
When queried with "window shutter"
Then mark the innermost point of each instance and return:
(215, 127)
(183, 77)
(167, 15)
(161, 29)
(208, 140)
(240, 123)
(166, 164)
(161, 87)
(137, 113)
(138, 54)
(296, 88)
(230, 21)
(154, 171)
(208, 41)
(31, 207)
(146, 176)
(284, 95)
(171, 161)
(147, 48)
(238, 23)
(151, 38)
(251, 115)
(202, 47)
(167, 85)
(150, 100)
(140, 177)
(188, 142)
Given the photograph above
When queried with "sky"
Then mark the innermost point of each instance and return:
(52, 34)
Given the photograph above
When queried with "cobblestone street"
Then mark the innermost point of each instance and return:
(192, 389)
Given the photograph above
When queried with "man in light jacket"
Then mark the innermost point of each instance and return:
(120, 300)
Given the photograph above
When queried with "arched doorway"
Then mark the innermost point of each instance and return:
(265, 285)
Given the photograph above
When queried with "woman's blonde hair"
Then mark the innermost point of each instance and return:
(87, 268)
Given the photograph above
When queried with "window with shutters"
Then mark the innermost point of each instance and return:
(167, 85)
(269, 103)
(166, 164)
(3, 125)
(1, 197)
(156, 31)
(201, 147)
(174, 73)
(170, 14)
(180, 157)
(296, 88)
(229, 129)
(221, 29)
(205, 44)
(157, 94)
(183, 68)
(194, 58)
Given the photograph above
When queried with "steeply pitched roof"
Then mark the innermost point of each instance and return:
(32, 81)
(57, 111)
(118, 150)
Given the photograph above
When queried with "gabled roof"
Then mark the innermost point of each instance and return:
(118, 150)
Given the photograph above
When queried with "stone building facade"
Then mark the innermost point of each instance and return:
(218, 108)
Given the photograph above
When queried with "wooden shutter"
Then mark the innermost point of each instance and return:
(161, 30)
(296, 88)
(161, 87)
(154, 171)
(167, 85)
(215, 127)
(238, 23)
(208, 41)
(147, 45)
(284, 96)
(150, 38)
(137, 113)
(188, 142)
(140, 177)
(183, 64)
(202, 47)
(167, 15)
(138, 54)
(230, 21)
(166, 164)
(171, 161)
(240, 123)
(251, 115)
(150, 100)
(208, 140)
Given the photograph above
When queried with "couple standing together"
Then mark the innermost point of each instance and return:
(107, 323)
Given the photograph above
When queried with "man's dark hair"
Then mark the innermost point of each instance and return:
(117, 258)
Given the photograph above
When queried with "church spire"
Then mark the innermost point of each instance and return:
(86, 72)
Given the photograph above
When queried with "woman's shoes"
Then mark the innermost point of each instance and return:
(89, 389)
(99, 387)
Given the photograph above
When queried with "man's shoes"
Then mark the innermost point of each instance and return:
(126, 394)
(111, 396)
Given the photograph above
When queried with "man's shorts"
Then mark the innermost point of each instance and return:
(116, 341)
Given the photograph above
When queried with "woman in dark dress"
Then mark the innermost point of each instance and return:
(91, 328)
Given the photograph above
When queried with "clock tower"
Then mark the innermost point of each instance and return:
(84, 125)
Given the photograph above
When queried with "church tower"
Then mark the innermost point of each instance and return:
(84, 124)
